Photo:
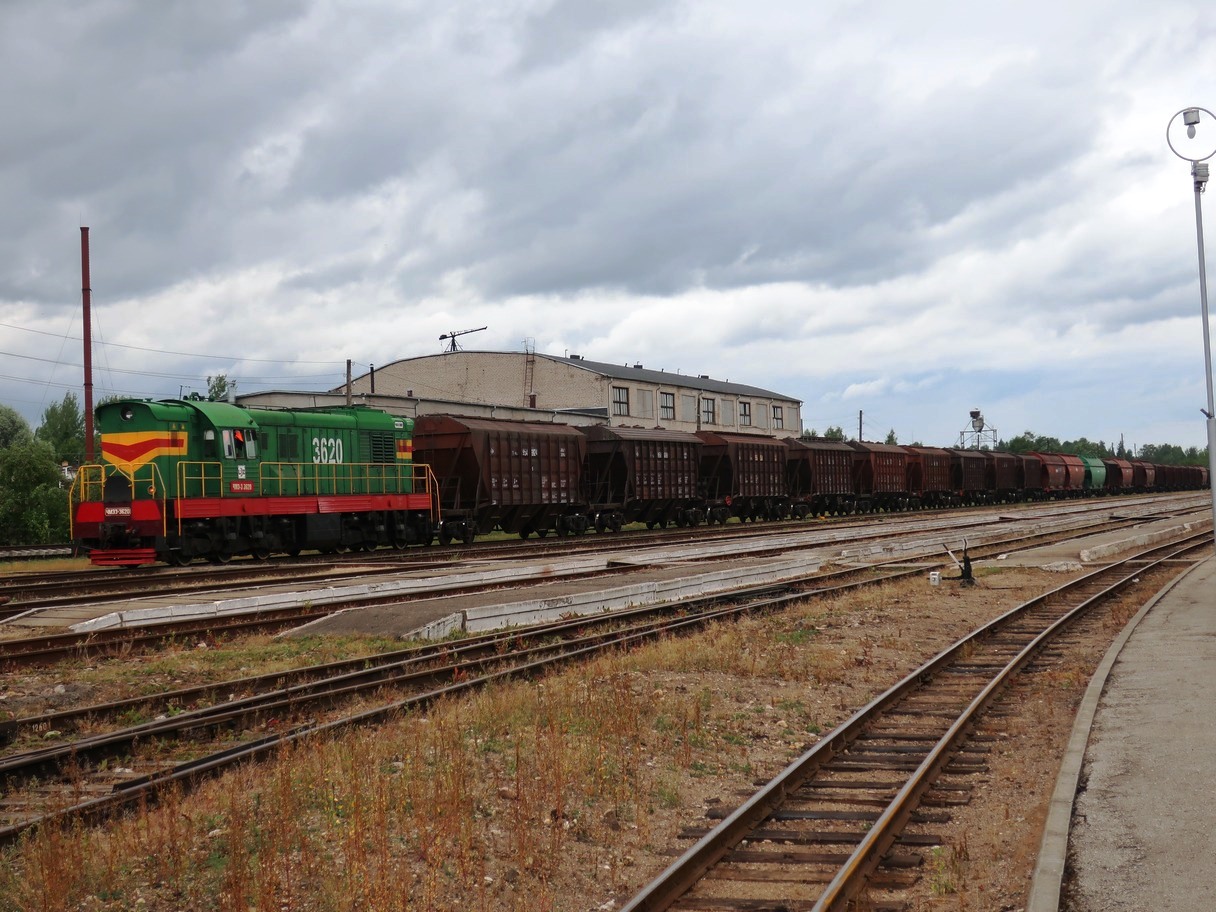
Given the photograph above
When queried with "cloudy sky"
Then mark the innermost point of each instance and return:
(904, 209)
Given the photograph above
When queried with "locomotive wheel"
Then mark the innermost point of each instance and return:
(261, 554)
(293, 552)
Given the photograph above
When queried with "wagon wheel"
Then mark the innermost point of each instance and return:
(445, 535)
(261, 554)
(179, 558)
(469, 534)
(542, 532)
(525, 532)
(219, 557)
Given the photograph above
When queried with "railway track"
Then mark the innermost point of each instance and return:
(834, 822)
(95, 776)
(27, 590)
(47, 649)
(99, 774)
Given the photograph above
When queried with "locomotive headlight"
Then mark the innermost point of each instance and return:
(127, 413)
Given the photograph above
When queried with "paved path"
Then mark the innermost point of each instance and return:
(1143, 833)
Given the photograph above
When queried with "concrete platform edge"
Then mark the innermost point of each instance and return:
(1053, 850)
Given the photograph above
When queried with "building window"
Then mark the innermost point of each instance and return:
(667, 406)
(620, 400)
(707, 412)
(745, 414)
(778, 417)
(645, 403)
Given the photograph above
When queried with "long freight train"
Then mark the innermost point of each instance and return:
(180, 479)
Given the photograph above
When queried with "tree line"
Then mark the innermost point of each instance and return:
(1030, 442)
(33, 484)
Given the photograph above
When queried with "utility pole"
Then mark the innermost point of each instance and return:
(86, 293)
(859, 438)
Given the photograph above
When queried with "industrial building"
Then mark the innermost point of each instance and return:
(573, 390)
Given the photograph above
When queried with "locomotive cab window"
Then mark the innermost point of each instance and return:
(240, 443)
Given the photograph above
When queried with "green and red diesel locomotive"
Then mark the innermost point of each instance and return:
(182, 479)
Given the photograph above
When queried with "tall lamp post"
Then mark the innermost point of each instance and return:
(1193, 150)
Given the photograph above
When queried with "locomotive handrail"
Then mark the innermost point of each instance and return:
(184, 476)
(93, 489)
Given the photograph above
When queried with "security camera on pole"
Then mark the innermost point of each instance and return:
(1197, 152)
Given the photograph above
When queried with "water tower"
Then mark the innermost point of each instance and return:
(978, 434)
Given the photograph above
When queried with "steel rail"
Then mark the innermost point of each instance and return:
(684, 873)
(583, 647)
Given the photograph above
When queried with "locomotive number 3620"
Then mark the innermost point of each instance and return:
(326, 449)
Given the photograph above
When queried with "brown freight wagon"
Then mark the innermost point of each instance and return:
(1075, 466)
(929, 476)
(1055, 474)
(743, 475)
(1144, 475)
(642, 475)
(880, 476)
(1002, 476)
(1032, 476)
(820, 475)
(521, 477)
(968, 475)
(1119, 476)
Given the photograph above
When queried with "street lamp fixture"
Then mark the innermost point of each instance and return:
(1197, 152)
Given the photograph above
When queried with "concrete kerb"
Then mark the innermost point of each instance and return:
(534, 611)
(1098, 552)
(1053, 851)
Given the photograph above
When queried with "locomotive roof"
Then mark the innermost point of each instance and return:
(222, 414)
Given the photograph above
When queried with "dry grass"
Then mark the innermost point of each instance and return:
(561, 794)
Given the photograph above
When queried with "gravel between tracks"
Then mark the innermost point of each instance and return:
(713, 717)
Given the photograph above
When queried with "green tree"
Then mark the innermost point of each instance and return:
(33, 507)
(13, 428)
(63, 428)
(835, 432)
(218, 387)
(1029, 441)
(891, 440)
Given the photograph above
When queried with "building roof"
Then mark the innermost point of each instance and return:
(643, 375)
(636, 373)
